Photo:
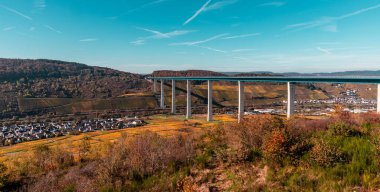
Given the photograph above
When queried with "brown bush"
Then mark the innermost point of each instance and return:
(113, 167)
(307, 126)
(149, 152)
(250, 133)
(373, 118)
(80, 179)
(3, 175)
(48, 183)
(287, 145)
(274, 146)
(325, 153)
(84, 149)
(43, 159)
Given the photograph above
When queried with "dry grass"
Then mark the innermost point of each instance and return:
(68, 105)
(163, 125)
(228, 94)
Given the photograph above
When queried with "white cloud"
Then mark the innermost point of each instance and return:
(136, 9)
(326, 51)
(329, 43)
(16, 12)
(210, 48)
(88, 40)
(330, 28)
(52, 29)
(8, 28)
(159, 35)
(201, 41)
(138, 42)
(209, 7)
(154, 3)
(273, 4)
(323, 21)
(148, 5)
(40, 4)
(198, 43)
(199, 11)
(156, 33)
(244, 59)
(242, 36)
(242, 50)
(220, 4)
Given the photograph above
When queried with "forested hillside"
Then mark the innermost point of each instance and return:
(24, 78)
(48, 78)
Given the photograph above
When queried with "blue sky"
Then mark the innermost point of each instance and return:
(221, 35)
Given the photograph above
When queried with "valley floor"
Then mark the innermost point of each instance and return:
(164, 125)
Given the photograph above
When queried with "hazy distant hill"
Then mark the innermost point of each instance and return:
(266, 73)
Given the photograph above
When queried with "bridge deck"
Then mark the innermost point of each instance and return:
(298, 79)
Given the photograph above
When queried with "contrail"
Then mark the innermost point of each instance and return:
(197, 13)
(16, 12)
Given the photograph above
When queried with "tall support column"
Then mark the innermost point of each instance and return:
(291, 96)
(378, 98)
(162, 95)
(209, 98)
(241, 101)
(154, 85)
(188, 101)
(173, 97)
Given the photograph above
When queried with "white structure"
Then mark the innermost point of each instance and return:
(241, 101)
(188, 100)
(173, 97)
(162, 95)
(291, 96)
(209, 100)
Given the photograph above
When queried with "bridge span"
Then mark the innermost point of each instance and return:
(290, 81)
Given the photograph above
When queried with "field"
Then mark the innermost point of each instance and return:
(163, 125)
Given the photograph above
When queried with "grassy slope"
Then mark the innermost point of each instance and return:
(164, 125)
(365, 90)
(68, 105)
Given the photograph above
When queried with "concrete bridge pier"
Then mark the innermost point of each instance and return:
(188, 100)
(154, 85)
(173, 97)
(378, 98)
(241, 101)
(291, 97)
(162, 104)
(209, 103)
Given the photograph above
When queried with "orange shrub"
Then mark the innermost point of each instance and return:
(250, 133)
(149, 152)
(274, 146)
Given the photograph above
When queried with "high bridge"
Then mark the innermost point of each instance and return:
(289, 81)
